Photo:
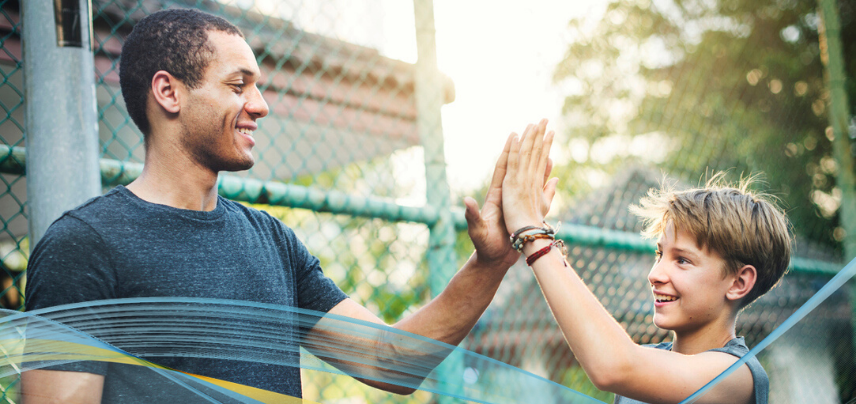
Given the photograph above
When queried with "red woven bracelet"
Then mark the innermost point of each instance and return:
(538, 254)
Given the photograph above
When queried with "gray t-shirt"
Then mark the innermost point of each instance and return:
(736, 347)
(120, 246)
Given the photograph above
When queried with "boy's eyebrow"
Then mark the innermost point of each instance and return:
(682, 251)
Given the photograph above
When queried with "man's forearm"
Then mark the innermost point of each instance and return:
(451, 315)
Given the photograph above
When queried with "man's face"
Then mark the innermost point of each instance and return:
(688, 283)
(219, 117)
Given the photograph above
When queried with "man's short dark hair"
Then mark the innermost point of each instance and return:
(175, 41)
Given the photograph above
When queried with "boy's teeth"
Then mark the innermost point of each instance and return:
(664, 298)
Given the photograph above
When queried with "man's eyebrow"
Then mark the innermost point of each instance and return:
(245, 72)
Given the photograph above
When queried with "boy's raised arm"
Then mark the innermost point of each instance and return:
(610, 358)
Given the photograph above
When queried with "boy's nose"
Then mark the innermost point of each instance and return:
(657, 275)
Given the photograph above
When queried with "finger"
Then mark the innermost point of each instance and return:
(501, 164)
(545, 155)
(526, 150)
(513, 155)
(537, 147)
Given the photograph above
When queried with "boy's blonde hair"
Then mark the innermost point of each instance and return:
(743, 227)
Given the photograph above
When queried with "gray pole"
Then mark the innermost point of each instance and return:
(59, 109)
(428, 89)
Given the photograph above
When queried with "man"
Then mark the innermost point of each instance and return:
(189, 81)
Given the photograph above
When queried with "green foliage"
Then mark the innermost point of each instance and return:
(692, 86)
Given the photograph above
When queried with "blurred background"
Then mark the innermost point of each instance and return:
(385, 114)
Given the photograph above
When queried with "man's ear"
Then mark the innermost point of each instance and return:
(742, 283)
(165, 90)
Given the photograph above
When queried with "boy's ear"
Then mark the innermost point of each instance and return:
(165, 91)
(743, 282)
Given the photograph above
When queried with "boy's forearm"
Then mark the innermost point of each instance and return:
(600, 344)
(451, 315)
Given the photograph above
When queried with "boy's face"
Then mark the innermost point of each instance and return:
(688, 283)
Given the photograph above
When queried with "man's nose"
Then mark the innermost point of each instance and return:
(256, 105)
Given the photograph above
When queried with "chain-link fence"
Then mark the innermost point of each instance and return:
(351, 158)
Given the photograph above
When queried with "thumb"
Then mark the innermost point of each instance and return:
(471, 213)
(549, 193)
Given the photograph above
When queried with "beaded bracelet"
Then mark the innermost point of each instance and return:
(528, 233)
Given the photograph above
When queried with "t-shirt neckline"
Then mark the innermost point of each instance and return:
(218, 211)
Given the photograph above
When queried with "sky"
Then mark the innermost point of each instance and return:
(500, 56)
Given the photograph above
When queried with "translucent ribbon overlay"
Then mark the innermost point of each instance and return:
(139, 339)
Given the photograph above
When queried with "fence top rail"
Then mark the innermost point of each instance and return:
(113, 172)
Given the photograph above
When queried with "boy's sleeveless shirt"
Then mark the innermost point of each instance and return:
(736, 347)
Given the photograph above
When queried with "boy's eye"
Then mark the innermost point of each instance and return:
(659, 254)
(682, 260)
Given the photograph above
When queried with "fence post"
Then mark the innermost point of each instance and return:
(428, 90)
(60, 111)
(832, 56)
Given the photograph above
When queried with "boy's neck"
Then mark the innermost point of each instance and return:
(714, 335)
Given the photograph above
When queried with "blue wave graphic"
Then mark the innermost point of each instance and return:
(138, 333)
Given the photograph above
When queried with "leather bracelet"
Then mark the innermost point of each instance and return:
(538, 254)
(559, 244)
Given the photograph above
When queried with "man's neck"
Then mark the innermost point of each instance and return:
(177, 182)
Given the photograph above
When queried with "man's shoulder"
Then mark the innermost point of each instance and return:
(256, 216)
(99, 208)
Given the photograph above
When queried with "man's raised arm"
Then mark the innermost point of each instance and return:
(450, 316)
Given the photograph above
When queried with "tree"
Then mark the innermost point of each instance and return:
(700, 85)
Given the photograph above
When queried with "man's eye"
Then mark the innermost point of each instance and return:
(238, 87)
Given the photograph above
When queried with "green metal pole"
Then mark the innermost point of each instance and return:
(832, 57)
(442, 263)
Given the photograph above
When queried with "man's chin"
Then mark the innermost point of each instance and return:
(234, 166)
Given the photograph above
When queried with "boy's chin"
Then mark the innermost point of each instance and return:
(663, 323)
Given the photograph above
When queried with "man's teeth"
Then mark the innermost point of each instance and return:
(665, 298)
(245, 131)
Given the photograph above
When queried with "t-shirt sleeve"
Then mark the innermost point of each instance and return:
(315, 291)
(70, 265)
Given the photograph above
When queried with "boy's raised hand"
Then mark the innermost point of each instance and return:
(487, 228)
(526, 192)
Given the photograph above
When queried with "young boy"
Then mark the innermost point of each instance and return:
(718, 249)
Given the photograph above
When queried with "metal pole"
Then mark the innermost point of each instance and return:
(59, 109)
(428, 90)
(832, 56)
